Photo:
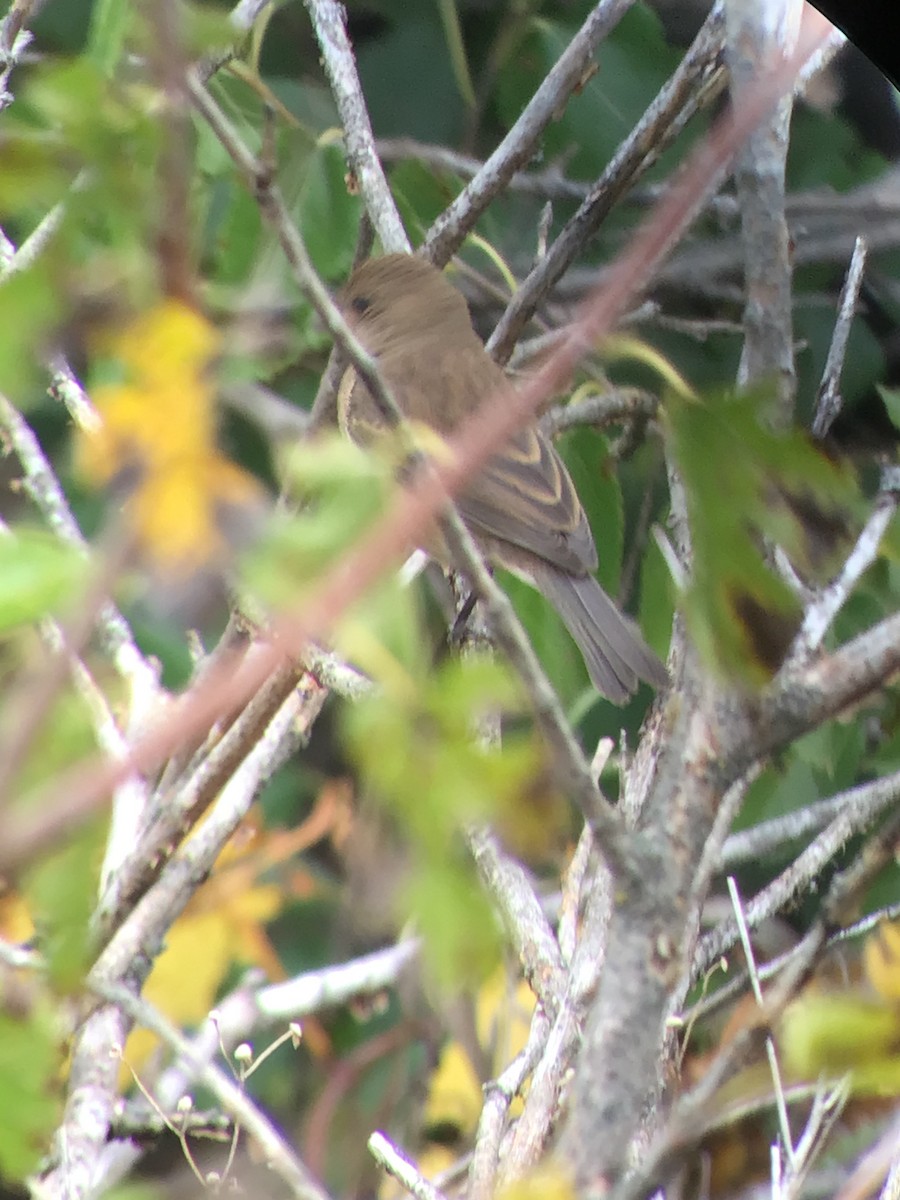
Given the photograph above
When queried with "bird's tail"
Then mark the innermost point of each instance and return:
(614, 652)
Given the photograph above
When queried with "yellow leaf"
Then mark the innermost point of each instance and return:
(548, 1182)
(222, 925)
(502, 1018)
(881, 955)
(454, 1095)
(16, 924)
(836, 1032)
(158, 434)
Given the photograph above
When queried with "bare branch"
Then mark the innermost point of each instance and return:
(693, 84)
(246, 1113)
(275, 721)
(828, 398)
(387, 1155)
(856, 809)
(447, 233)
(755, 33)
(523, 918)
(328, 17)
(820, 614)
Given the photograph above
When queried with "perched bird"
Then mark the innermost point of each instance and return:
(522, 507)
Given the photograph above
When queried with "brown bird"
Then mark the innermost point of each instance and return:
(522, 508)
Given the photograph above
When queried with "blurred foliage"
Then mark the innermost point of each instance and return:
(781, 489)
(30, 1096)
(40, 574)
(417, 746)
(88, 139)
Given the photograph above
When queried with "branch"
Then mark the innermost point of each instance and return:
(127, 959)
(828, 398)
(693, 1112)
(527, 928)
(328, 17)
(692, 85)
(754, 34)
(498, 1097)
(245, 1111)
(550, 184)
(46, 491)
(179, 808)
(448, 231)
(621, 404)
(250, 1009)
(858, 808)
(388, 1156)
(826, 605)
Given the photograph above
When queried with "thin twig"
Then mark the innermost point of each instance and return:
(755, 843)
(549, 184)
(258, 176)
(820, 614)
(567, 760)
(125, 962)
(787, 1138)
(828, 397)
(178, 811)
(387, 1155)
(46, 491)
(498, 1097)
(15, 39)
(253, 1007)
(862, 805)
(737, 984)
(245, 1111)
(608, 408)
(524, 920)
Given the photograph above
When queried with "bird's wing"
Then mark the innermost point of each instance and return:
(525, 496)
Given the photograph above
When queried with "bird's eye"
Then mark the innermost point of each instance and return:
(361, 304)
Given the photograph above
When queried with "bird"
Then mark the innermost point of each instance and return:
(522, 507)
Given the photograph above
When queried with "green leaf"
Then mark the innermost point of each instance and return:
(558, 654)
(30, 1106)
(657, 599)
(40, 574)
(891, 398)
(461, 937)
(30, 305)
(205, 30)
(826, 150)
(587, 456)
(408, 79)
(61, 891)
(339, 490)
(837, 1033)
(749, 486)
(382, 634)
(329, 214)
(421, 194)
(110, 22)
(417, 751)
(633, 63)
(36, 169)
(789, 786)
